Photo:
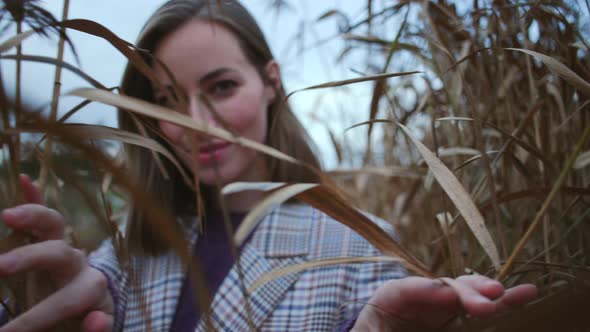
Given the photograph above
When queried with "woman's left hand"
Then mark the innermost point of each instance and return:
(422, 304)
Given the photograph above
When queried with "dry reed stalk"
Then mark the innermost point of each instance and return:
(54, 101)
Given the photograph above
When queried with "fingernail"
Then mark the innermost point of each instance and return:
(480, 299)
(492, 283)
(15, 212)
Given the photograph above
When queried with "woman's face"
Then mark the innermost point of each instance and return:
(206, 59)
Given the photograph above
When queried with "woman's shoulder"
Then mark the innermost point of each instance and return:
(323, 236)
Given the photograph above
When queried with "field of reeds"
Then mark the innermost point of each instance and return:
(479, 150)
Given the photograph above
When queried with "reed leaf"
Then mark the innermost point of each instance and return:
(97, 132)
(261, 209)
(556, 187)
(161, 113)
(57, 63)
(335, 84)
(330, 202)
(15, 41)
(459, 197)
(560, 69)
(296, 268)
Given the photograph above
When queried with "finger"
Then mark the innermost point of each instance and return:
(97, 321)
(416, 299)
(487, 287)
(472, 301)
(76, 297)
(40, 221)
(518, 295)
(424, 290)
(32, 193)
(55, 256)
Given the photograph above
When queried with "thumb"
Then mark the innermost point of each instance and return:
(30, 190)
(97, 321)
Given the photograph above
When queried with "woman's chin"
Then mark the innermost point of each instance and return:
(218, 177)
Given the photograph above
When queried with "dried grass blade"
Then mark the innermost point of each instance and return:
(296, 268)
(59, 64)
(459, 197)
(15, 41)
(454, 118)
(353, 81)
(582, 161)
(330, 202)
(388, 171)
(237, 187)
(556, 187)
(539, 191)
(123, 46)
(161, 113)
(534, 151)
(369, 122)
(329, 13)
(560, 69)
(103, 132)
(257, 213)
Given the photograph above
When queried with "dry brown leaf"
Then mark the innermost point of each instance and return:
(161, 113)
(56, 63)
(353, 81)
(15, 40)
(389, 171)
(453, 118)
(296, 268)
(328, 201)
(560, 69)
(257, 213)
(459, 197)
(108, 133)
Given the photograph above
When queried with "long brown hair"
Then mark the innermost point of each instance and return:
(285, 131)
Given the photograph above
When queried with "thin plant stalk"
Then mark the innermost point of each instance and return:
(556, 187)
(17, 118)
(46, 164)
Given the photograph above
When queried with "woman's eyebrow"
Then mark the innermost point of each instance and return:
(163, 89)
(213, 74)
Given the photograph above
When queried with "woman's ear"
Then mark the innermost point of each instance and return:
(272, 73)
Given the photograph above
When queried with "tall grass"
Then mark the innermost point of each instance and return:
(497, 184)
(503, 103)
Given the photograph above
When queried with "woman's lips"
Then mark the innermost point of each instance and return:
(210, 152)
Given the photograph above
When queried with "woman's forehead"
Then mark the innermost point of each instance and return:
(200, 47)
(200, 36)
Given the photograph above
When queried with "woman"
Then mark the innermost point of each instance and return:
(228, 78)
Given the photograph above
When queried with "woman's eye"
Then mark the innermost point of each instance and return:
(161, 100)
(223, 88)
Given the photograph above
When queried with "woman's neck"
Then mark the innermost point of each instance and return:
(240, 202)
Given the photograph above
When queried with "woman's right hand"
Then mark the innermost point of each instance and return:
(82, 290)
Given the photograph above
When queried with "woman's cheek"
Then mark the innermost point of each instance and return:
(171, 131)
(243, 115)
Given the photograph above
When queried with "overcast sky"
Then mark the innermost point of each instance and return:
(317, 109)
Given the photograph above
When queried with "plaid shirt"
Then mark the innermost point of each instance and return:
(318, 299)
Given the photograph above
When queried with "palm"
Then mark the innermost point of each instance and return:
(420, 304)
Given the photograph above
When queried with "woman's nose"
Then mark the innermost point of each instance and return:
(199, 110)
